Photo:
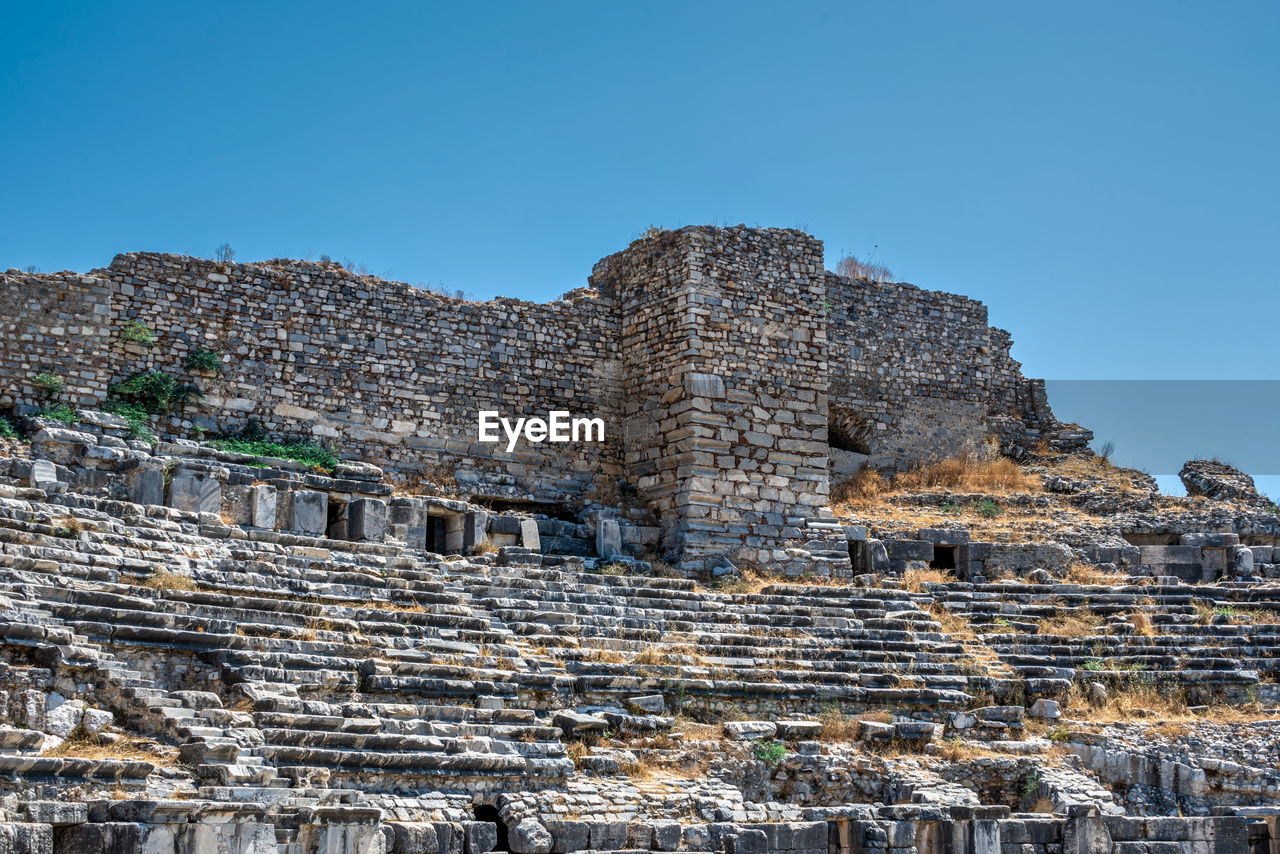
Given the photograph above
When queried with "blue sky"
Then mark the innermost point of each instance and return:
(1103, 175)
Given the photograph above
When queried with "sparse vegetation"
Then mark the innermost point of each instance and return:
(60, 412)
(1070, 624)
(163, 579)
(224, 254)
(201, 359)
(1083, 573)
(135, 332)
(914, 580)
(850, 267)
(8, 430)
(154, 392)
(137, 418)
(48, 382)
(309, 453)
(770, 752)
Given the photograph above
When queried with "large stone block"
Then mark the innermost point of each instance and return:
(608, 538)
(309, 512)
(529, 537)
(262, 506)
(195, 493)
(367, 520)
(146, 486)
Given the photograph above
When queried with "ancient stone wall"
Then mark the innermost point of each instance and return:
(724, 382)
(723, 362)
(384, 371)
(918, 375)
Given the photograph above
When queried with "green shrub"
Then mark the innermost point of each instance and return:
(154, 392)
(138, 333)
(310, 453)
(770, 752)
(61, 412)
(989, 508)
(138, 418)
(47, 381)
(205, 360)
(8, 430)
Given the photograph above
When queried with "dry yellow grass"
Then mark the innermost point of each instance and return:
(1142, 625)
(1083, 573)
(1072, 624)
(162, 579)
(968, 474)
(951, 623)
(1145, 701)
(675, 655)
(838, 726)
(82, 745)
(957, 750)
(484, 547)
(914, 580)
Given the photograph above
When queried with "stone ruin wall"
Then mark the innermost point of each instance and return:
(716, 357)
(387, 372)
(919, 375)
(725, 384)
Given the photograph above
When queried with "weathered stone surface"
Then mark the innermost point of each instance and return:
(309, 512)
(195, 493)
(528, 836)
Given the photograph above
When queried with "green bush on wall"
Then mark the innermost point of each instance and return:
(48, 381)
(203, 359)
(155, 392)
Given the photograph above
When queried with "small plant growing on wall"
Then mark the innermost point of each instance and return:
(48, 382)
(8, 430)
(137, 418)
(60, 412)
(137, 333)
(154, 392)
(202, 359)
(770, 752)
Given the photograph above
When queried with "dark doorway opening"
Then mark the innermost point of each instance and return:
(485, 812)
(437, 534)
(337, 522)
(944, 557)
(860, 556)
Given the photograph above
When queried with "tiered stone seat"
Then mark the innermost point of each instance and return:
(800, 644)
(1216, 660)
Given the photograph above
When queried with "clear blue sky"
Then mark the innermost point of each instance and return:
(1102, 174)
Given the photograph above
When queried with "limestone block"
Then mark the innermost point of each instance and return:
(480, 837)
(367, 520)
(798, 729)
(608, 835)
(528, 836)
(574, 723)
(262, 506)
(195, 493)
(666, 835)
(569, 836)
(309, 512)
(42, 472)
(529, 537)
(413, 836)
(146, 486)
(608, 538)
(474, 529)
(745, 730)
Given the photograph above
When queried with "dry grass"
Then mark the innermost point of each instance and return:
(1142, 625)
(641, 768)
(484, 547)
(951, 623)
(163, 579)
(82, 745)
(1071, 624)
(866, 485)
(838, 726)
(1083, 573)
(958, 750)
(914, 580)
(605, 656)
(968, 474)
(674, 655)
(1142, 700)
